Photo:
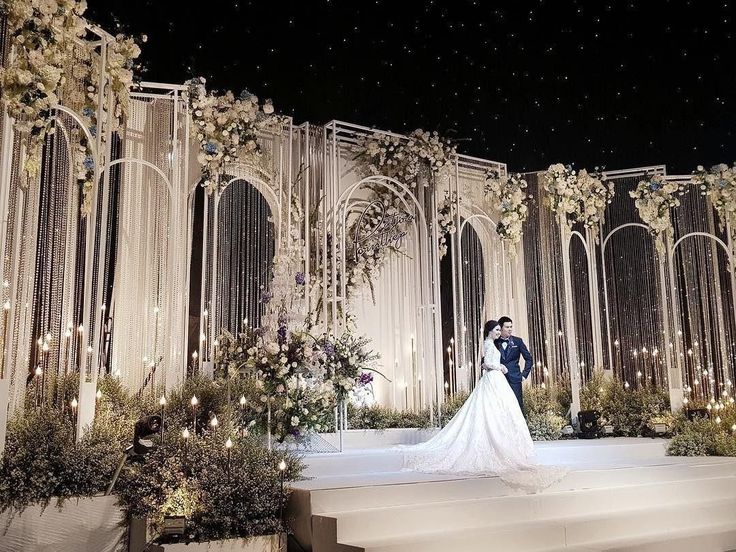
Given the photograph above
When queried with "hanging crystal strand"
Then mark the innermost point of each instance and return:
(27, 242)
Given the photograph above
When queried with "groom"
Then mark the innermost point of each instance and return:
(512, 348)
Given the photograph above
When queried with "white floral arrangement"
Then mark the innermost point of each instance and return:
(508, 192)
(718, 184)
(654, 197)
(288, 367)
(577, 197)
(346, 361)
(120, 63)
(446, 215)
(47, 40)
(43, 34)
(226, 128)
(423, 156)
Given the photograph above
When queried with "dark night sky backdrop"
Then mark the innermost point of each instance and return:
(618, 83)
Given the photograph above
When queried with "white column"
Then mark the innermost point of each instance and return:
(572, 353)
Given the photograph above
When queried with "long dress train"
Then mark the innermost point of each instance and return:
(488, 435)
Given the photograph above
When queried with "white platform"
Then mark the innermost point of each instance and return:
(621, 495)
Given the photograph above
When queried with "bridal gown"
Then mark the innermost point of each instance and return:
(488, 436)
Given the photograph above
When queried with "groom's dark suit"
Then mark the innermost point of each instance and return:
(511, 353)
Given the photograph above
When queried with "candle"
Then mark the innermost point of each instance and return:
(74, 405)
(228, 446)
(194, 402)
(39, 396)
(162, 402)
(185, 436)
(6, 313)
(80, 333)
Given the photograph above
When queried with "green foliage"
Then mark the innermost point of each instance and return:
(630, 411)
(543, 414)
(701, 437)
(545, 426)
(41, 459)
(221, 499)
(381, 417)
(705, 436)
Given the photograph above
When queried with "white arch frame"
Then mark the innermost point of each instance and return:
(730, 257)
(426, 292)
(605, 282)
(264, 188)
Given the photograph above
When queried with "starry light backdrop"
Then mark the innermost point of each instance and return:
(616, 84)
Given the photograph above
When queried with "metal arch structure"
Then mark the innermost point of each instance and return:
(730, 257)
(607, 314)
(336, 318)
(483, 225)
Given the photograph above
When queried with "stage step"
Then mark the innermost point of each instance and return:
(498, 511)
(344, 494)
(621, 495)
(638, 527)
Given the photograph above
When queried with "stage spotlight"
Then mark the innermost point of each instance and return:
(695, 413)
(588, 420)
(144, 429)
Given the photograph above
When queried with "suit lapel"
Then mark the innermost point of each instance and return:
(508, 348)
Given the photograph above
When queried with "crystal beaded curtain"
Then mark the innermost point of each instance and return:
(583, 315)
(19, 268)
(57, 257)
(246, 241)
(485, 281)
(635, 297)
(142, 294)
(475, 279)
(705, 293)
(44, 258)
(544, 285)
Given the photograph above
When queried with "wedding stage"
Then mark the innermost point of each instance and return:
(621, 494)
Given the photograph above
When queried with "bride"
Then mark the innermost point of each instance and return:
(488, 435)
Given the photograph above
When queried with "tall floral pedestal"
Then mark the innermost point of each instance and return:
(80, 525)
(266, 543)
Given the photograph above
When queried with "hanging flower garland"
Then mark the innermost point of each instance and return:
(43, 34)
(363, 264)
(508, 192)
(227, 128)
(654, 197)
(718, 184)
(446, 221)
(577, 198)
(423, 156)
(119, 64)
(418, 160)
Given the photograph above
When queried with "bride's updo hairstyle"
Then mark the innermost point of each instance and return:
(488, 328)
